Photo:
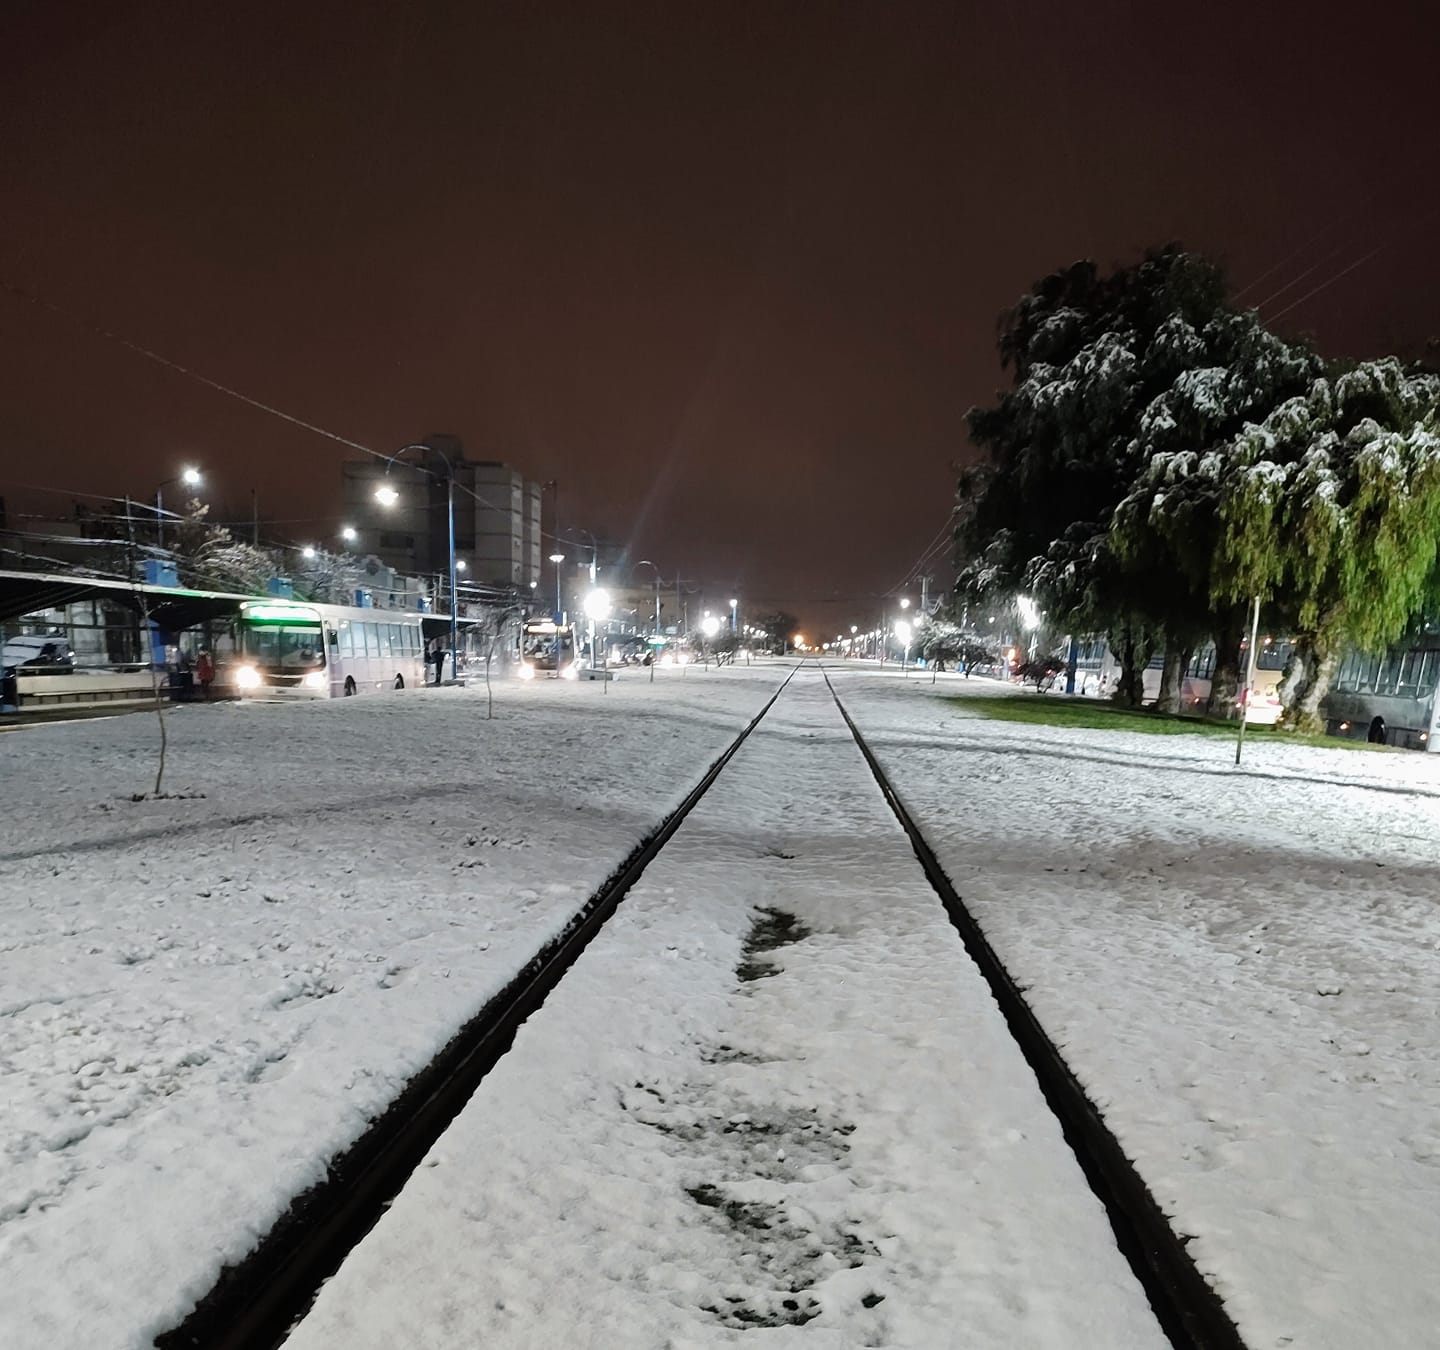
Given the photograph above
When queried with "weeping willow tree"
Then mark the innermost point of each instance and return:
(1330, 512)
(1088, 353)
(1167, 530)
(1118, 379)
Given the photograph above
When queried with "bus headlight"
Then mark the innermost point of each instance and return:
(571, 672)
(527, 671)
(315, 680)
(247, 677)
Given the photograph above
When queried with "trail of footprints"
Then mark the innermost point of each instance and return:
(781, 1250)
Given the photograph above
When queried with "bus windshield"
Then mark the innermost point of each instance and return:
(284, 648)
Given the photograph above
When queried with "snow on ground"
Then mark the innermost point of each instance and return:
(1243, 965)
(204, 998)
(773, 1104)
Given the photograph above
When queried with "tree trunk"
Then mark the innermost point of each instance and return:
(1316, 660)
(1225, 682)
(1293, 677)
(1134, 645)
(1177, 659)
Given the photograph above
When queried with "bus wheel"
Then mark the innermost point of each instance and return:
(349, 686)
(1377, 732)
(399, 681)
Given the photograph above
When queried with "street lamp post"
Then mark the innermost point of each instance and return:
(654, 650)
(597, 607)
(387, 496)
(709, 626)
(594, 553)
(191, 477)
(734, 610)
(557, 559)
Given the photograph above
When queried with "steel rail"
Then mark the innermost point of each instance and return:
(1188, 1309)
(255, 1303)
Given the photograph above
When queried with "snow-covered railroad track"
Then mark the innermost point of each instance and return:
(1189, 1310)
(775, 1097)
(253, 1304)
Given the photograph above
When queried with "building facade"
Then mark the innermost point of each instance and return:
(497, 515)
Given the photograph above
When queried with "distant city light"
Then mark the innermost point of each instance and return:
(308, 551)
(459, 564)
(386, 495)
(347, 533)
(710, 625)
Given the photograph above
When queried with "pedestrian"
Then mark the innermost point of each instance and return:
(205, 673)
(439, 661)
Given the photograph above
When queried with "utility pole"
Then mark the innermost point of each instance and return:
(1249, 678)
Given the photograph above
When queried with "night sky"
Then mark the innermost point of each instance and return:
(729, 272)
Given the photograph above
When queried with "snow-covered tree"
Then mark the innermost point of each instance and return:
(1168, 527)
(1330, 512)
(330, 578)
(1090, 356)
(210, 558)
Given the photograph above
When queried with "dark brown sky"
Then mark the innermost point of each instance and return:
(728, 271)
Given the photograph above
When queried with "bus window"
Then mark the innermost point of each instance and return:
(367, 633)
(1429, 670)
(285, 648)
(1409, 674)
(397, 640)
(347, 638)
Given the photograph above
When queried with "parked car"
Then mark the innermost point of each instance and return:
(32, 650)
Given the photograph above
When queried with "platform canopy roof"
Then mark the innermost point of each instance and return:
(173, 608)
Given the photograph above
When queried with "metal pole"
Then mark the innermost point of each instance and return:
(254, 518)
(159, 520)
(1249, 677)
(454, 604)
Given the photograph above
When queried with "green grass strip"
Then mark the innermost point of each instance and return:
(1056, 711)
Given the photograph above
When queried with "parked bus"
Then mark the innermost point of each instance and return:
(547, 648)
(326, 651)
(1097, 672)
(1389, 699)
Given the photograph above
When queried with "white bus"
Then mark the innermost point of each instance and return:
(547, 648)
(326, 651)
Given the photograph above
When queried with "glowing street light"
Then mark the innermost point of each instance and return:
(597, 610)
(557, 559)
(710, 625)
(460, 564)
(191, 477)
(348, 534)
(308, 551)
(905, 632)
(388, 496)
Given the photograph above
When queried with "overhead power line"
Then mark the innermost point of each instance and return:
(150, 355)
